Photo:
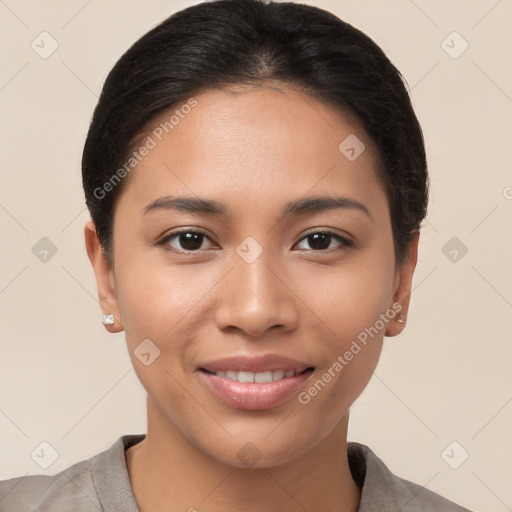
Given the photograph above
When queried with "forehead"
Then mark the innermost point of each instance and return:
(259, 141)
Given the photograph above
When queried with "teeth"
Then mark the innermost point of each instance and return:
(263, 377)
(258, 377)
(278, 375)
(246, 376)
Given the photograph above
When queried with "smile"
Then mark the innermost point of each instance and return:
(254, 390)
(257, 377)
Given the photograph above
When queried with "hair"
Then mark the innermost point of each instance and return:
(221, 43)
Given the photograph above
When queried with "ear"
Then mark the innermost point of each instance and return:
(104, 277)
(402, 287)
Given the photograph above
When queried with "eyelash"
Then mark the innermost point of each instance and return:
(164, 241)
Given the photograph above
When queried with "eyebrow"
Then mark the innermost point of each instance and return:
(299, 207)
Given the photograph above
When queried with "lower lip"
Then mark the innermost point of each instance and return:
(249, 395)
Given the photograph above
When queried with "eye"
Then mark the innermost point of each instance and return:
(321, 240)
(189, 240)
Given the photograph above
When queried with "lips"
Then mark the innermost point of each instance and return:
(254, 383)
(258, 377)
(270, 362)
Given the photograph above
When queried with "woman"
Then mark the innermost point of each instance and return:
(256, 178)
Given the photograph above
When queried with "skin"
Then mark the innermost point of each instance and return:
(252, 149)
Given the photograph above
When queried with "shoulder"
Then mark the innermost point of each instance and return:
(390, 492)
(98, 483)
(72, 488)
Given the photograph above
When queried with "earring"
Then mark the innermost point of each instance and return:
(402, 319)
(108, 319)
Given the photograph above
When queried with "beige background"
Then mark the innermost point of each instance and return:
(447, 378)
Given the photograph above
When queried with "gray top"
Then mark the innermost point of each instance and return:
(101, 483)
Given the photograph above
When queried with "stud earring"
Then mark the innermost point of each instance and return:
(401, 319)
(108, 319)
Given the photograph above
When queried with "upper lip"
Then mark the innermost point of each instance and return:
(269, 362)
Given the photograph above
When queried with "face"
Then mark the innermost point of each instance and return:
(279, 268)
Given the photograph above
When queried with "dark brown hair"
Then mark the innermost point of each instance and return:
(229, 42)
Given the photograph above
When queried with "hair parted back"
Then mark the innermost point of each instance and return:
(221, 43)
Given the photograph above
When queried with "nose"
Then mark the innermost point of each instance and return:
(255, 297)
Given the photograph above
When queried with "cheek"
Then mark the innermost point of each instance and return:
(350, 342)
(350, 298)
(153, 298)
(354, 304)
(155, 304)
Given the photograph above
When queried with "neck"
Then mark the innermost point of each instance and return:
(167, 472)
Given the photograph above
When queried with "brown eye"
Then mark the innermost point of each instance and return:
(183, 241)
(321, 240)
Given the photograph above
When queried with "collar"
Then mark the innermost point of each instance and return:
(381, 489)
